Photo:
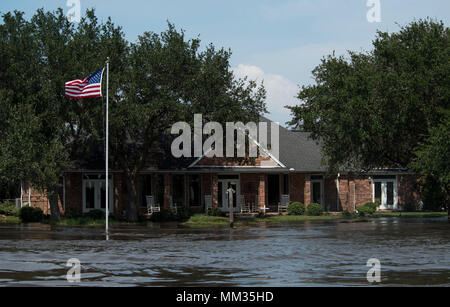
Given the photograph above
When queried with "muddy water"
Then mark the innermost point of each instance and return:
(411, 252)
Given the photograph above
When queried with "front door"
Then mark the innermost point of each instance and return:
(317, 192)
(385, 191)
(224, 185)
(94, 195)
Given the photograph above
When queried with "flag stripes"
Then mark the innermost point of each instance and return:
(90, 87)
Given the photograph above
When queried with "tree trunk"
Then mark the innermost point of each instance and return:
(132, 212)
(54, 207)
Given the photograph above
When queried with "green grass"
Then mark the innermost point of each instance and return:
(298, 218)
(10, 220)
(411, 214)
(201, 220)
(214, 221)
(85, 221)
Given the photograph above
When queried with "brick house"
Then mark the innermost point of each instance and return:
(298, 174)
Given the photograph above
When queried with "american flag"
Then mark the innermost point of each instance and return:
(90, 87)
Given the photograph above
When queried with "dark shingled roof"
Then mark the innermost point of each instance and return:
(298, 151)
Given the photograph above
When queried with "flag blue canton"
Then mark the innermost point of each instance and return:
(96, 77)
(89, 87)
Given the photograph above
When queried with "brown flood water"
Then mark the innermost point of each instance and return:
(412, 252)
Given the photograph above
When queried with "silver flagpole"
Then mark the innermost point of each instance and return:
(107, 149)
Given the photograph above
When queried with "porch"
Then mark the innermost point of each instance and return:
(254, 192)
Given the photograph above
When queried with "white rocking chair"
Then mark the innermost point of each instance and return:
(151, 206)
(208, 203)
(245, 208)
(283, 206)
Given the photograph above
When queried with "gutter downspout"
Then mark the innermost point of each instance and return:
(29, 195)
(21, 194)
(354, 195)
(64, 193)
(338, 192)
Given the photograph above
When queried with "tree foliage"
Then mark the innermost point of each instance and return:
(157, 81)
(383, 108)
(169, 80)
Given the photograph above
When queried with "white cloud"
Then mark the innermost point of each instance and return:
(280, 90)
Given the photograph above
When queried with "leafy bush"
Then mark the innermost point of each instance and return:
(346, 213)
(31, 215)
(315, 210)
(296, 208)
(261, 215)
(366, 210)
(215, 212)
(378, 202)
(95, 214)
(184, 214)
(433, 197)
(9, 209)
(371, 206)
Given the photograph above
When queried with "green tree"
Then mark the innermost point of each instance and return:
(378, 108)
(159, 80)
(43, 132)
(433, 164)
(170, 79)
(29, 151)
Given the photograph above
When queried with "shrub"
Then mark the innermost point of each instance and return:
(432, 196)
(296, 208)
(9, 209)
(378, 202)
(184, 214)
(346, 213)
(31, 215)
(371, 206)
(215, 212)
(261, 215)
(95, 214)
(315, 210)
(365, 210)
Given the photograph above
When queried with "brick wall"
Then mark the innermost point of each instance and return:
(250, 187)
(74, 192)
(262, 191)
(330, 191)
(167, 190)
(296, 187)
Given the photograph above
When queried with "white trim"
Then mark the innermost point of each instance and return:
(338, 189)
(97, 205)
(200, 158)
(267, 152)
(280, 165)
(21, 195)
(384, 182)
(237, 167)
(237, 205)
(322, 190)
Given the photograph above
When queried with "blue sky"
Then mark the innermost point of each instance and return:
(278, 41)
